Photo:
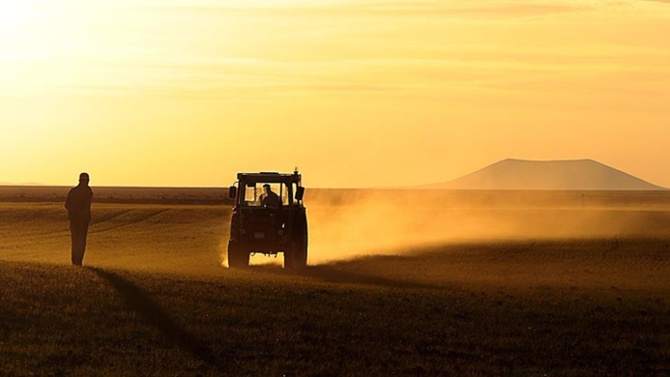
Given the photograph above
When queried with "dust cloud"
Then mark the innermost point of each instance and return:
(354, 224)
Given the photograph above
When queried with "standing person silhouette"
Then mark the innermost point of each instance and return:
(78, 205)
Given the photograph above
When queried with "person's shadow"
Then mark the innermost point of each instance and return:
(139, 301)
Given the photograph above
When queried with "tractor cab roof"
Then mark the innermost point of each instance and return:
(269, 177)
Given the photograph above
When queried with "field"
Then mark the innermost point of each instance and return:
(479, 284)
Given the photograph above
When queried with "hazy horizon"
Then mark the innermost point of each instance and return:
(519, 180)
(359, 93)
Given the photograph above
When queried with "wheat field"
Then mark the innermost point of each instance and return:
(471, 290)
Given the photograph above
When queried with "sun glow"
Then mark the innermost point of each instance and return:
(31, 32)
(16, 20)
(448, 83)
(14, 13)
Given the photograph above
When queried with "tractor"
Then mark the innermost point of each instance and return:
(268, 217)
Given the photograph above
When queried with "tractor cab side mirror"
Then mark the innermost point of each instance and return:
(299, 193)
(232, 192)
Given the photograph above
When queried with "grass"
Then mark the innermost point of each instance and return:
(332, 320)
(155, 301)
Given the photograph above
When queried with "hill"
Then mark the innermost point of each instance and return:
(512, 174)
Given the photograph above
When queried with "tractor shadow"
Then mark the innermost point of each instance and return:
(442, 266)
(332, 274)
(138, 300)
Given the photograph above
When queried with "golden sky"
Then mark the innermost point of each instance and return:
(354, 92)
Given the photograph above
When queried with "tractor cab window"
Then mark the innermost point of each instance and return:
(251, 196)
(255, 194)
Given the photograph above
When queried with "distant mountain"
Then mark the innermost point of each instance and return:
(514, 174)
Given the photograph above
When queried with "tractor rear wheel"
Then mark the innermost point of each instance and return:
(296, 257)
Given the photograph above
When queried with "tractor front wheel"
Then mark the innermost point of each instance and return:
(238, 257)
